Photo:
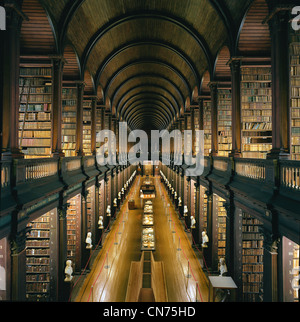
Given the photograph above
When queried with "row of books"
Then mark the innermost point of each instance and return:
(35, 142)
(36, 90)
(257, 126)
(35, 134)
(257, 147)
(35, 125)
(263, 112)
(46, 107)
(256, 91)
(264, 119)
(255, 106)
(256, 99)
(69, 102)
(35, 71)
(255, 85)
(36, 151)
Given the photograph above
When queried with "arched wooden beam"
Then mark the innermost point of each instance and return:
(146, 95)
(141, 61)
(148, 76)
(144, 15)
(129, 45)
(141, 102)
(146, 109)
(175, 105)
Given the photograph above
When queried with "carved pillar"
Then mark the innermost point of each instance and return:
(10, 63)
(235, 67)
(57, 75)
(279, 29)
(79, 119)
(214, 118)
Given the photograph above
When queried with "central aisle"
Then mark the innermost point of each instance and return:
(108, 279)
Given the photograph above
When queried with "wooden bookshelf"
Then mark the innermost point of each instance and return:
(252, 259)
(224, 122)
(74, 231)
(256, 97)
(87, 126)
(219, 229)
(197, 128)
(69, 108)
(207, 127)
(41, 258)
(203, 210)
(35, 86)
(90, 210)
(98, 125)
(295, 95)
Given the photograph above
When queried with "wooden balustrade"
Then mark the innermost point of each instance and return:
(5, 174)
(220, 164)
(38, 169)
(252, 169)
(290, 175)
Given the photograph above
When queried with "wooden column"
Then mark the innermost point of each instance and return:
(57, 75)
(279, 29)
(79, 119)
(214, 118)
(10, 63)
(235, 67)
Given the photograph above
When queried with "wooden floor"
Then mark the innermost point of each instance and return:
(108, 279)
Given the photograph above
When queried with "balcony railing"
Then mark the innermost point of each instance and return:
(250, 168)
(284, 174)
(290, 174)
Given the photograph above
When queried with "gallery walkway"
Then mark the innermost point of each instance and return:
(108, 279)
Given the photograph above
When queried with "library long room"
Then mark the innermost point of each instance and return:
(92, 209)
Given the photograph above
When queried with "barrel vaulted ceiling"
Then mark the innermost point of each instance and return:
(144, 58)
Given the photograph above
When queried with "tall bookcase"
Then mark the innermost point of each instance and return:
(295, 94)
(41, 258)
(219, 229)
(74, 231)
(207, 127)
(35, 86)
(90, 209)
(87, 126)
(203, 210)
(98, 125)
(69, 108)
(252, 259)
(197, 128)
(256, 96)
(224, 122)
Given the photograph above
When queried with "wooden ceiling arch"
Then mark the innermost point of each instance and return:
(112, 46)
